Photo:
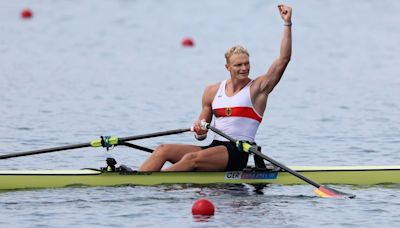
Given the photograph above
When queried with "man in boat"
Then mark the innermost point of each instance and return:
(238, 105)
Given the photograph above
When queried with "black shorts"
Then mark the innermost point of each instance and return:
(237, 160)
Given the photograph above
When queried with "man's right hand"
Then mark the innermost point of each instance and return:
(199, 133)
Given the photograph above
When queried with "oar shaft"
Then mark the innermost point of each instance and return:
(42, 151)
(221, 133)
(152, 135)
(256, 152)
(287, 169)
(134, 146)
(81, 145)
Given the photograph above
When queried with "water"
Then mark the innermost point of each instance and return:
(81, 69)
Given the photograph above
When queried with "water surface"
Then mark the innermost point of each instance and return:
(81, 69)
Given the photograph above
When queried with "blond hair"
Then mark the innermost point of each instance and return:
(237, 49)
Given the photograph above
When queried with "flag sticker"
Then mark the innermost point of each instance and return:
(240, 175)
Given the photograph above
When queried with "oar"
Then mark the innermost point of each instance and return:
(321, 190)
(106, 142)
(134, 146)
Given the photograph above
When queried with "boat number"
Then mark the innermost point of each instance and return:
(233, 175)
(237, 175)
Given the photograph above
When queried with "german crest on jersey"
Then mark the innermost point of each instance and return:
(228, 111)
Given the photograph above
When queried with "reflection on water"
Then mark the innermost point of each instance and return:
(219, 189)
(203, 218)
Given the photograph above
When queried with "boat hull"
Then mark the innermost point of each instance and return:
(354, 175)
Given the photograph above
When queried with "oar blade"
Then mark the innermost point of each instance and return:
(326, 192)
(322, 191)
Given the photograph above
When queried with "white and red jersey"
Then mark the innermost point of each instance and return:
(235, 115)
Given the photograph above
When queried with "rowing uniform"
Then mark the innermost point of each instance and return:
(236, 117)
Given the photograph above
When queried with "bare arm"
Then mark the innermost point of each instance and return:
(206, 111)
(206, 101)
(268, 81)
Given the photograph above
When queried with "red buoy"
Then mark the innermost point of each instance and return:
(203, 207)
(187, 42)
(26, 13)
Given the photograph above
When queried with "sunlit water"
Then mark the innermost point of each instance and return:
(81, 69)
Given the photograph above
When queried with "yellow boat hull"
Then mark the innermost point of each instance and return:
(351, 175)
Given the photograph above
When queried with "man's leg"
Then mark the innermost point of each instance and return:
(166, 152)
(211, 159)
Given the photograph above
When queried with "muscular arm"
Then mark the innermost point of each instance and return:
(206, 111)
(206, 101)
(268, 81)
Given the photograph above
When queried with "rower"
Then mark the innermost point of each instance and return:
(237, 103)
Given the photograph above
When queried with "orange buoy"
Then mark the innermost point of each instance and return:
(187, 42)
(26, 13)
(203, 207)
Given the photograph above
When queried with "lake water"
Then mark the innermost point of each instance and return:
(81, 69)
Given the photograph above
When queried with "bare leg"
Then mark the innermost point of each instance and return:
(166, 152)
(211, 159)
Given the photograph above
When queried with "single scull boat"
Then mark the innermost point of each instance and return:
(349, 175)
